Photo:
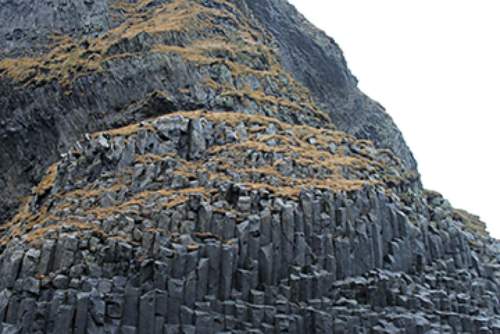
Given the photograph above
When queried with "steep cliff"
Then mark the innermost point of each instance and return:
(315, 60)
(71, 67)
(206, 166)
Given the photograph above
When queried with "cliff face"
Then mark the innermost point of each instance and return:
(316, 61)
(71, 67)
(220, 172)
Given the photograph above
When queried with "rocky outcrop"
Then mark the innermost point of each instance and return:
(203, 222)
(203, 187)
(203, 57)
(71, 67)
(315, 60)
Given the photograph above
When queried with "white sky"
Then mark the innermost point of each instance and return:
(435, 66)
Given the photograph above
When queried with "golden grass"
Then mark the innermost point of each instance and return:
(37, 234)
(320, 169)
(68, 60)
(309, 155)
(180, 196)
(471, 222)
(48, 180)
(88, 192)
(124, 131)
(64, 63)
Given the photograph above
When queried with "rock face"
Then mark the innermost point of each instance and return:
(71, 67)
(205, 185)
(316, 61)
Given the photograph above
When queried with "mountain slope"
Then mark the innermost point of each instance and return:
(203, 186)
(69, 68)
(316, 61)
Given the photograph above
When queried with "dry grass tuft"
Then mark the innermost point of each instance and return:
(47, 182)
(471, 222)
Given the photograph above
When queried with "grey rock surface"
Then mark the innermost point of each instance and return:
(227, 254)
(46, 104)
(188, 178)
(316, 60)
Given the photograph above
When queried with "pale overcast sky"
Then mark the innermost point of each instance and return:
(435, 66)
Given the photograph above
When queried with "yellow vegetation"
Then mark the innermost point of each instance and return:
(471, 222)
(48, 181)
(70, 59)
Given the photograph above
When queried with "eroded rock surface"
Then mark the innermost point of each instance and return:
(71, 67)
(203, 187)
(205, 222)
(316, 61)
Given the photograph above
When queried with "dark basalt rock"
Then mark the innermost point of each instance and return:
(41, 120)
(142, 241)
(188, 178)
(318, 63)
